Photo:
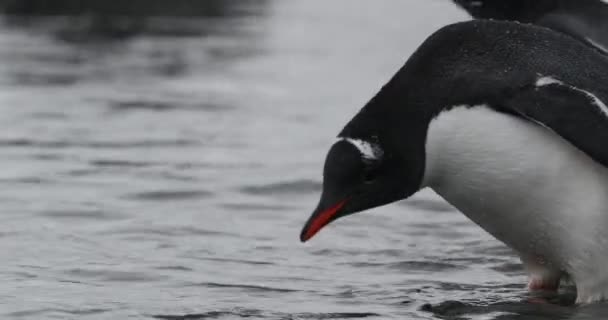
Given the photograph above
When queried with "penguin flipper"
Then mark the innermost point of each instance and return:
(577, 115)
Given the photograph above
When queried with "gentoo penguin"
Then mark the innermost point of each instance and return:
(508, 122)
(586, 20)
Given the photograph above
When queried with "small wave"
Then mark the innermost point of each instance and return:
(238, 313)
(49, 115)
(83, 214)
(114, 275)
(60, 144)
(121, 163)
(336, 252)
(25, 275)
(201, 316)
(255, 207)
(82, 172)
(269, 315)
(161, 106)
(45, 311)
(410, 266)
(24, 142)
(218, 165)
(240, 261)
(337, 315)
(48, 156)
(246, 287)
(28, 180)
(454, 286)
(170, 231)
(44, 80)
(509, 268)
(425, 266)
(174, 268)
(164, 195)
(388, 252)
(282, 188)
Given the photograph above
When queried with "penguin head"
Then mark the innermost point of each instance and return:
(359, 174)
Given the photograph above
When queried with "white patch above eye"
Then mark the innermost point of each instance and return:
(369, 150)
(479, 3)
(545, 81)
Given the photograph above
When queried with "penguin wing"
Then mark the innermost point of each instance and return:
(579, 116)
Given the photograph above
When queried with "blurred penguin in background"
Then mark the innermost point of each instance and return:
(586, 20)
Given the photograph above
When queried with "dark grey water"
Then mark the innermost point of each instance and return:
(168, 177)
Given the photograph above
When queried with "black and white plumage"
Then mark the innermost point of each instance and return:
(506, 121)
(586, 20)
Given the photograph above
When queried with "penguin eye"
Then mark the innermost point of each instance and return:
(369, 176)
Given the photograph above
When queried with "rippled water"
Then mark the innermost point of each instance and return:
(168, 177)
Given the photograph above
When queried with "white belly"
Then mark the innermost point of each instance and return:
(523, 184)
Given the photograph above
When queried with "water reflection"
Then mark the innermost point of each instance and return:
(87, 20)
(207, 8)
(80, 41)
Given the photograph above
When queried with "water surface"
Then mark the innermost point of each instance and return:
(165, 171)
